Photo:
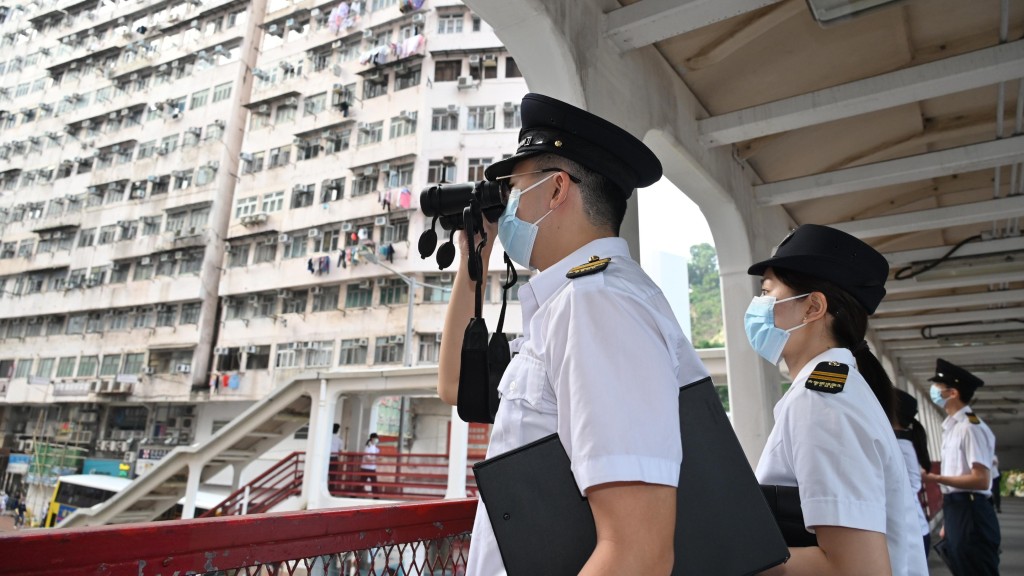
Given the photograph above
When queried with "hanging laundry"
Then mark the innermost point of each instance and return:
(234, 382)
(391, 253)
(363, 234)
(225, 379)
(309, 266)
(404, 198)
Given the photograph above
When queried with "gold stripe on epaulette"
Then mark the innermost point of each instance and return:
(594, 266)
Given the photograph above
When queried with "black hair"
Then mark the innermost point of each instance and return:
(604, 202)
(919, 438)
(849, 325)
(966, 393)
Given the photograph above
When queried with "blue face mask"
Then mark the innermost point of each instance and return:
(759, 323)
(937, 398)
(518, 236)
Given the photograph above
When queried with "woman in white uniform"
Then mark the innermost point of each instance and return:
(913, 441)
(833, 437)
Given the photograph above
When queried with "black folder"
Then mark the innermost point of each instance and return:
(723, 524)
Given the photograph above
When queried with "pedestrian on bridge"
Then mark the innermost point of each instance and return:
(833, 436)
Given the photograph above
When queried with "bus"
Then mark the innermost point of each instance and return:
(87, 490)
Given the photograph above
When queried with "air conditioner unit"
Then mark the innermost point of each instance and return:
(396, 339)
(364, 284)
(474, 60)
(316, 290)
(220, 50)
(251, 349)
(346, 227)
(367, 34)
(465, 82)
(363, 126)
(490, 60)
(417, 18)
(259, 218)
(369, 171)
(363, 342)
(283, 293)
(144, 261)
(509, 107)
(183, 368)
(166, 257)
(380, 221)
(263, 109)
(221, 351)
(437, 337)
(313, 233)
(446, 278)
(453, 109)
(179, 255)
(246, 157)
(408, 115)
(283, 238)
(382, 281)
(292, 101)
(148, 370)
(254, 300)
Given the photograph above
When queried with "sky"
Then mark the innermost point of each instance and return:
(669, 221)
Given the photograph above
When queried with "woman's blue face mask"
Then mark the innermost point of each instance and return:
(759, 324)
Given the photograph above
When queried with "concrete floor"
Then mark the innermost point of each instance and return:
(1011, 524)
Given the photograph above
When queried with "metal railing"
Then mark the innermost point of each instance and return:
(397, 476)
(280, 482)
(411, 539)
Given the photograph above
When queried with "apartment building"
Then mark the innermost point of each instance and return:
(202, 199)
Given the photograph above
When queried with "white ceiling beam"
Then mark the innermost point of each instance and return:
(955, 301)
(970, 249)
(975, 352)
(933, 218)
(946, 318)
(915, 285)
(973, 328)
(892, 172)
(649, 21)
(957, 74)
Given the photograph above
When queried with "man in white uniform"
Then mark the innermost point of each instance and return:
(968, 448)
(602, 357)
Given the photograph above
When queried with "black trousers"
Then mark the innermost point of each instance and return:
(972, 532)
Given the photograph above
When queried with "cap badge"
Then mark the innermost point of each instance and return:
(558, 143)
(828, 377)
(593, 266)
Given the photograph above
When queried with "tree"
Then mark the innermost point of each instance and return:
(705, 298)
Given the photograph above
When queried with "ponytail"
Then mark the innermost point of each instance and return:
(869, 367)
(919, 438)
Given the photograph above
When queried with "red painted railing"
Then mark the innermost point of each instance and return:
(281, 481)
(398, 476)
(409, 539)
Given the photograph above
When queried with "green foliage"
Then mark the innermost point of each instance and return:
(705, 298)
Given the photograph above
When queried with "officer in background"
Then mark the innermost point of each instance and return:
(602, 357)
(968, 448)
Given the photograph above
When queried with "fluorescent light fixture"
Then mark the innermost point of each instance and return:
(828, 11)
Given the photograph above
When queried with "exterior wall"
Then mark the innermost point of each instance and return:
(106, 88)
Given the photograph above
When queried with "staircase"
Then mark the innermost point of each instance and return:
(251, 434)
(280, 482)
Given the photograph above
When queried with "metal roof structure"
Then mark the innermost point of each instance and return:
(902, 124)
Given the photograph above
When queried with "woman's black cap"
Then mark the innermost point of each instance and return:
(833, 255)
(551, 126)
(906, 408)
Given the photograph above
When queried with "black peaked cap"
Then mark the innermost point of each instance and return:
(954, 376)
(552, 126)
(906, 408)
(832, 255)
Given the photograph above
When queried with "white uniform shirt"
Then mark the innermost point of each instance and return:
(914, 475)
(841, 451)
(963, 444)
(601, 362)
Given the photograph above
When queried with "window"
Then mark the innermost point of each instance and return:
(394, 291)
(151, 225)
(24, 368)
(438, 172)
(284, 113)
(315, 104)
(265, 252)
(133, 363)
(279, 156)
(166, 314)
(119, 273)
(87, 366)
(363, 185)
(430, 348)
(86, 237)
(258, 359)
(273, 201)
(511, 68)
(512, 117)
(111, 362)
(286, 356)
(307, 148)
(222, 92)
(513, 292)
(66, 367)
(175, 221)
(191, 263)
(353, 351)
(189, 313)
(388, 350)
(375, 86)
(199, 99)
(476, 168)
(214, 131)
(447, 70)
(480, 118)
(443, 119)
(320, 354)
(402, 126)
(253, 165)
(332, 190)
(370, 133)
(295, 247)
(327, 299)
(142, 271)
(407, 79)
(438, 289)
(118, 321)
(450, 24)
(245, 206)
(146, 149)
(303, 195)
(396, 231)
(338, 140)
(359, 295)
(238, 256)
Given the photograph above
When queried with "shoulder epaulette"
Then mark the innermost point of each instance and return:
(828, 377)
(972, 418)
(593, 266)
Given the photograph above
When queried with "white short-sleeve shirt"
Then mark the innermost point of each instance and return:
(600, 363)
(963, 444)
(841, 451)
(914, 476)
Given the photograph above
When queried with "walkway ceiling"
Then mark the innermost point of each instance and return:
(901, 125)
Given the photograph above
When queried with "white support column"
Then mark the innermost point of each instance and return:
(318, 447)
(458, 445)
(236, 474)
(195, 473)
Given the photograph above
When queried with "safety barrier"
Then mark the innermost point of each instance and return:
(409, 539)
(397, 476)
(281, 481)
